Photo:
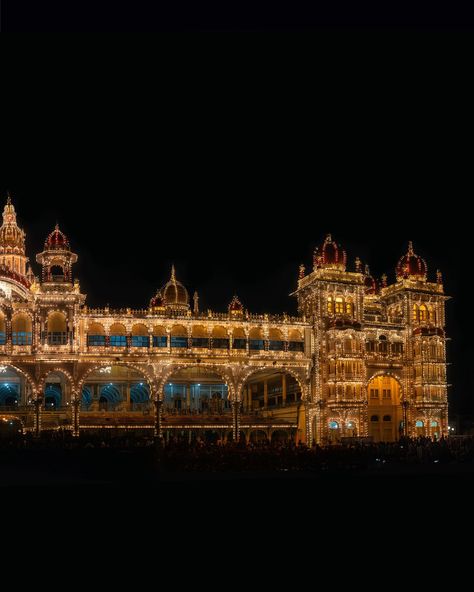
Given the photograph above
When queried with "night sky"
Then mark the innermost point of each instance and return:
(236, 184)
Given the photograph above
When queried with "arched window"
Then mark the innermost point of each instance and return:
(22, 330)
(96, 335)
(140, 336)
(330, 305)
(220, 338)
(57, 329)
(239, 339)
(256, 341)
(374, 418)
(179, 336)
(387, 418)
(383, 344)
(333, 425)
(277, 342)
(432, 315)
(434, 424)
(200, 336)
(118, 335)
(295, 341)
(419, 424)
(349, 307)
(160, 338)
(423, 313)
(415, 312)
(339, 305)
(371, 346)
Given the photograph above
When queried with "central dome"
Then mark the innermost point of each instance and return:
(174, 294)
(411, 266)
(330, 255)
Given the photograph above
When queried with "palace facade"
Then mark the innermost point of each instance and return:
(362, 358)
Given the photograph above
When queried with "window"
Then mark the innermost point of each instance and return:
(276, 345)
(333, 425)
(57, 338)
(179, 341)
(415, 312)
(257, 344)
(386, 394)
(220, 343)
(96, 340)
(397, 347)
(200, 342)
(374, 393)
(118, 340)
(423, 313)
(239, 343)
(296, 346)
(330, 305)
(374, 418)
(21, 338)
(387, 418)
(2, 339)
(339, 305)
(140, 341)
(349, 308)
(419, 424)
(160, 341)
(434, 424)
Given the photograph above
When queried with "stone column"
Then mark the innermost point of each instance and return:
(236, 420)
(283, 388)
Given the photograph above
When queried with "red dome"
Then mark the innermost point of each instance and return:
(411, 266)
(235, 305)
(8, 273)
(57, 241)
(156, 301)
(330, 255)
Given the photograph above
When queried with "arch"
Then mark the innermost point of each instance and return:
(96, 329)
(423, 313)
(295, 340)
(219, 332)
(140, 337)
(275, 334)
(96, 368)
(256, 333)
(160, 336)
(57, 322)
(179, 336)
(385, 395)
(276, 340)
(117, 329)
(206, 368)
(283, 369)
(239, 338)
(256, 339)
(29, 379)
(22, 329)
(140, 329)
(295, 335)
(118, 335)
(96, 334)
(199, 331)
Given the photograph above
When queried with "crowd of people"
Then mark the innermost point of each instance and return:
(204, 457)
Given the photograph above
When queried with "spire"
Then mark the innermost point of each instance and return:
(411, 252)
(358, 265)
(196, 303)
(9, 199)
(9, 213)
(367, 270)
(302, 272)
(173, 273)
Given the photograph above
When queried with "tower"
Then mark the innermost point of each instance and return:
(57, 258)
(12, 241)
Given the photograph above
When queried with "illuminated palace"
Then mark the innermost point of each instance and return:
(362, 358)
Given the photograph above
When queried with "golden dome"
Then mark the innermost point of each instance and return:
(12, 238)
(174, 294)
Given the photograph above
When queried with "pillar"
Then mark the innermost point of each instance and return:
(236, 420)
(158, 431)
(283, 388)
(38, 403)
(128, 399)
(76, 406)
(265, 393)
(188, 396)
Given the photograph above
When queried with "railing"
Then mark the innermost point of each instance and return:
(209, 315)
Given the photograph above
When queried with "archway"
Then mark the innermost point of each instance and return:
(196, 391)
(116, 388)
(56, 391)
(384, 408)
(271, 389)
(15, 390)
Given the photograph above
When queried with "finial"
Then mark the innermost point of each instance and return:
(329, 238)
(358, 264)
(173, 273)
(410, 248)
(302, 272)
(196, 302)
(9, 199)
(56, 228)
(384, 280)
(439, 277)
(367, 270)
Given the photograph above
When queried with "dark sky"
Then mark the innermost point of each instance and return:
(236, 183)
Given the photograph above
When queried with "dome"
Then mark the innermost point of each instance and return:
(330, 255)
(157, 301)
(7, 273)
(370, 283)
(57, 241)
(235, 306)
(411, 266)
(12, 238)
(174, 294)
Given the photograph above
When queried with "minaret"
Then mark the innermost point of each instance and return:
(12, 241)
